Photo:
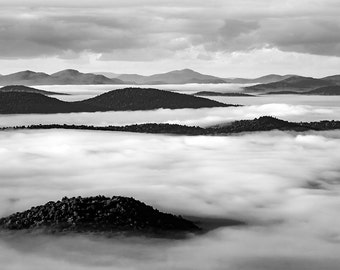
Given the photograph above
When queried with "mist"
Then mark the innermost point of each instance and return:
(285, 186)
(192, 117)
(79, 92)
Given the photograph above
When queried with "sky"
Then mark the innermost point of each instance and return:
(227, 38)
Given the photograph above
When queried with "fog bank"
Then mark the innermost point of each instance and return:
(285, 186)
(201, 117)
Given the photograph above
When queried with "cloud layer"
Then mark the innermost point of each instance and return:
(149, 30)
(285, 186)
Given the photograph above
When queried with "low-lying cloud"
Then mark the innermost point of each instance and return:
(285, 186)
(192, 117)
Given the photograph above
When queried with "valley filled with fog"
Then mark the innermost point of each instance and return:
(285, 186)
(79, 92)
(288, 107)
(169, 135)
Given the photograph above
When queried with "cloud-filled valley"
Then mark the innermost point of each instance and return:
(191, 117)
(280, 189)
(265, 200)
(285, 186)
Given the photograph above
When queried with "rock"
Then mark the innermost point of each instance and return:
(97, 214)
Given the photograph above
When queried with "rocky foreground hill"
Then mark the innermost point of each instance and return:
(127, 99)
(98, 214)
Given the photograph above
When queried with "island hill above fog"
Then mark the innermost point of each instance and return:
(299, 85)
(26, 89)
(264, 123)
(127, 99)
(97, 215)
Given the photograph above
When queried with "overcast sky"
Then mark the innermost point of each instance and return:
(221, 37)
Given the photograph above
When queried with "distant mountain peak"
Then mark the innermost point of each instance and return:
(67, 76)
(185, 71)
(67, 71)
(188, 70)
(293, 83)
(26, 71)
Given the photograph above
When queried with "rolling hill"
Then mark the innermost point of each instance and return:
(264, 79)
(322, 91)
(24, 78)
(97, 215)
(173, 77)
(71, 76)
(64, 77)
(296, 83)
(128, 99)
(148, 99)
(263, 123)
(26, 89)
(334, 78)
(325, 91)
(23, 102)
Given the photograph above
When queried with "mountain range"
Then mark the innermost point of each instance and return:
(264, 79)
(272, 82)
(172, 77)
(297, 84)
(74, 77)
(64, 77)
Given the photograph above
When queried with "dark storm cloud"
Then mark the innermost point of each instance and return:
(148, 30)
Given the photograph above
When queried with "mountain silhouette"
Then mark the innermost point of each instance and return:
(128, 99)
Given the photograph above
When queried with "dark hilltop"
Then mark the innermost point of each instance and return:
(127, 99)
(263, 123)
(98, 214)
(148, 99)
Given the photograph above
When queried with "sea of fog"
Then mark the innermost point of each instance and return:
(287, 107)
(285, 186)
(80, 92)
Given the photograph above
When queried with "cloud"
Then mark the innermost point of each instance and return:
(285, 186)
(123, 30)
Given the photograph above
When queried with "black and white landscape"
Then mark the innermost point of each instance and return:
(169, 135)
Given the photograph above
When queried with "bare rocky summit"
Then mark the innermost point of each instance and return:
(98, 214)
